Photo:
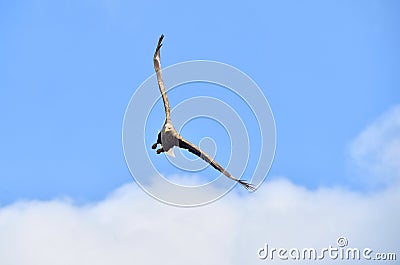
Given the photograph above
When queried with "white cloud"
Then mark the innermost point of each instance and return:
(376, 151)
(130, 227)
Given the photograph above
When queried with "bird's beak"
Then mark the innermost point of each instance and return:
(166, 130)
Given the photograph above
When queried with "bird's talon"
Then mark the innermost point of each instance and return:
(159, 151)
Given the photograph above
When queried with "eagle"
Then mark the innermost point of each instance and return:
(168, 137)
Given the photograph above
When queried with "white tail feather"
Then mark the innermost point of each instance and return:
(170, 152)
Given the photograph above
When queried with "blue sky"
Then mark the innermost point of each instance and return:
(330, 72)
(69, 69)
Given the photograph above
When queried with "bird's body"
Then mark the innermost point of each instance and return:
(169, 137)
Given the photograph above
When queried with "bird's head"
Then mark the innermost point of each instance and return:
(168, 127)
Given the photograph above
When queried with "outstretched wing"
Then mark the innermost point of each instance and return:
(157, 68)
(183, 143)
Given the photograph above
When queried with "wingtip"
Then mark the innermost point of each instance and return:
(160, 41)
(159, 44)
(248, 186)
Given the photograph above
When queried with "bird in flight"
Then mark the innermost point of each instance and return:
(169, 137)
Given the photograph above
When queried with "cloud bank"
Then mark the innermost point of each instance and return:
(129, 227)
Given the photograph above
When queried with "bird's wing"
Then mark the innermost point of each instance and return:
(185, 144)
(157, 68)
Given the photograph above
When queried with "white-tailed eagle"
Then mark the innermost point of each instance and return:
(169, 137)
